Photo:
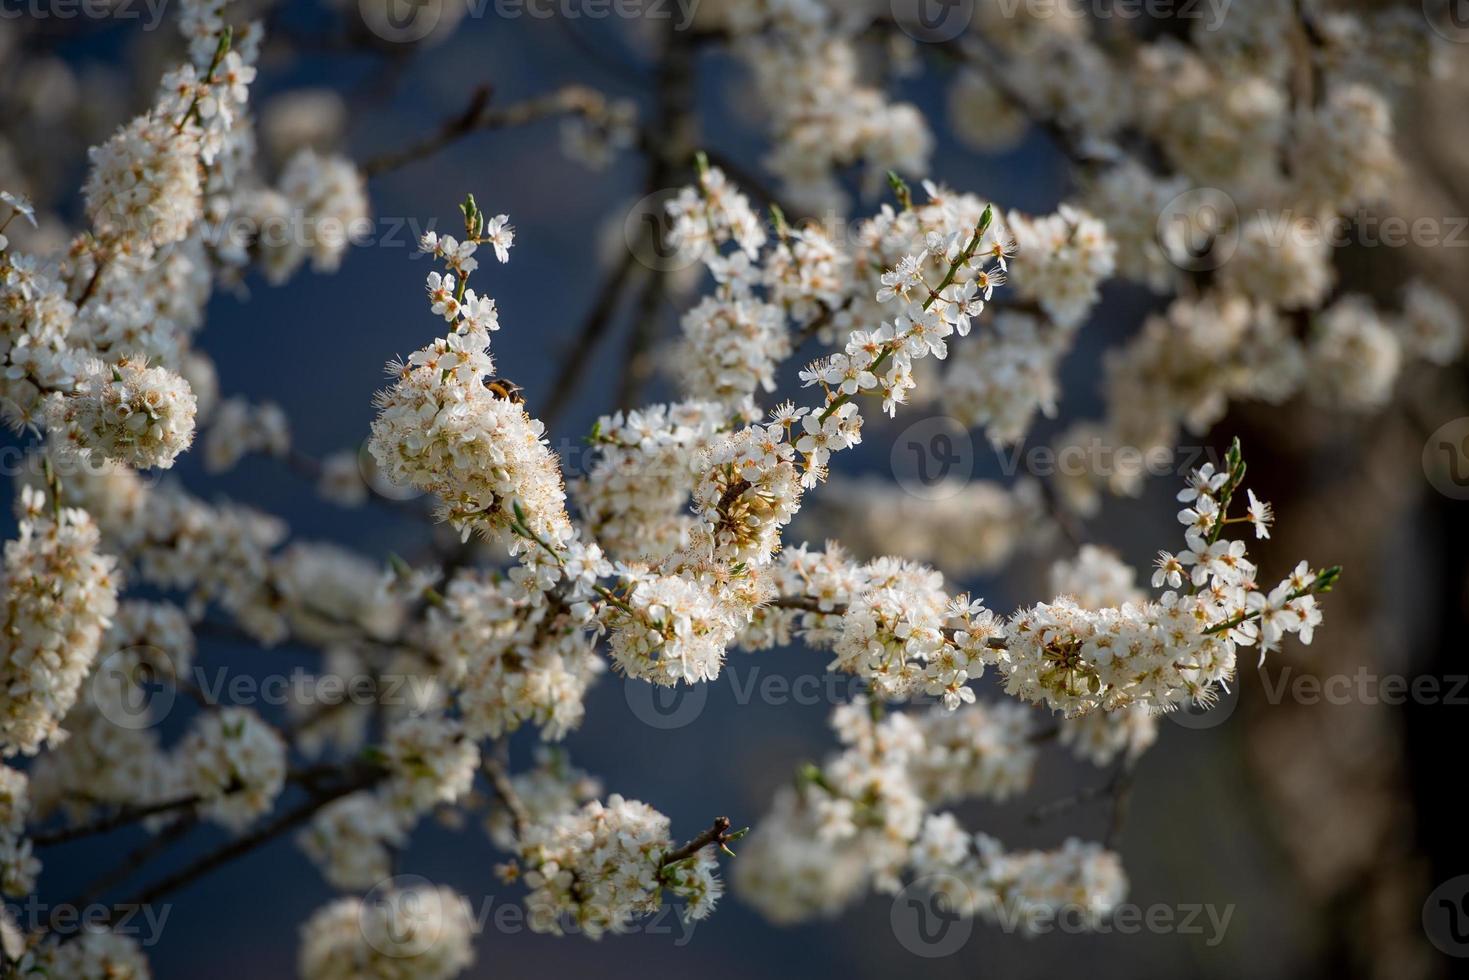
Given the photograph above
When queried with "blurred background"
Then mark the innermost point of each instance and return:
(1323, 827)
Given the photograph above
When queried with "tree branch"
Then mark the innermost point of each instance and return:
(499, 778)
(364, 779)
(604, 308)
(573, 100)
(718, 833)
(120, 818)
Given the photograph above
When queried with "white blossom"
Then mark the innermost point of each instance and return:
(137, 415)
(60, 595)
(421, 932)
(235, 762)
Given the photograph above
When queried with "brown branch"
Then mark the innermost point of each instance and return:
(1070, 525)
(638, 365)
(669, 145)
(126, 815)
(822, 319)
(1112, 789)
(718, 833)
(1121, 803)
(364, 779)
(751, 182)
(136, 859)
(604, 308)
(499, 778)
(572, 100)
(121, 818)
(1044, 735)
(1089, 794)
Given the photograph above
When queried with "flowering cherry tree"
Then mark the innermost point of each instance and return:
(687, 538)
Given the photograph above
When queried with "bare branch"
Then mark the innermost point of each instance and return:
(478, 115)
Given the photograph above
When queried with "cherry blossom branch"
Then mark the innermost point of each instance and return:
(128, 815)
(891, 347)
(808, 604)
(750, 181)
(1323, 582)
(718, 834)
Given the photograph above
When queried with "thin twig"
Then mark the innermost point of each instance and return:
(604, 308)
(751, 182)
(499, 778)
(718, 833)
(669, 146)
(1121, 803)
(1109, 790)
(121, 818)
(1071, 527)
(135, 860)
(244, 845)
(478, 115)
(637, 360)
(127, 815)
(1048, 734)
(1055, 808)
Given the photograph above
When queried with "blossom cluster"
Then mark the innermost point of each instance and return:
(864, 818)
(513, 655)
(18, 865)
(112, 754)
(1177, 649)
(604, 865)
(236, 763)
(420, 931)
(60, 594)
(974, 875)
(442, 428)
